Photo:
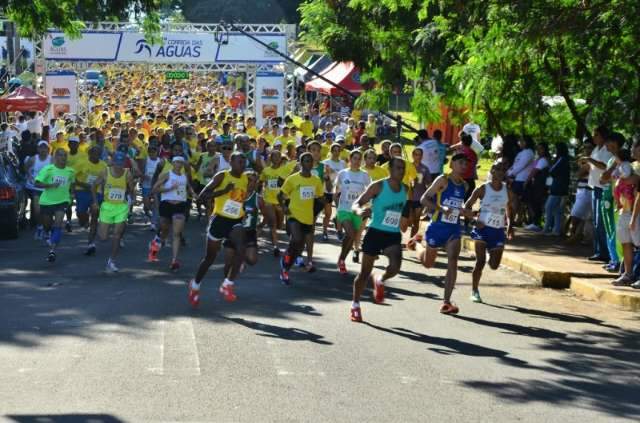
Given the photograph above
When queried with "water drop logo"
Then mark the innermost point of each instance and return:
(274, 45)
(57, 41)
(143, 45)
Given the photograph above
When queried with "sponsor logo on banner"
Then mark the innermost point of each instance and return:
(270, 93)
(170, 47)
(61, 93)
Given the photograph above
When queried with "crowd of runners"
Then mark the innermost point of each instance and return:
(179, 149)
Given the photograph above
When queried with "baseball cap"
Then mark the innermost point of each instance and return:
(43, 142)
(340, 138)
(177, 159)
(74, 139)
(119, 158)
(458, 156)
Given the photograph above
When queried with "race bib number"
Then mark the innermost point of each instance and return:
(307, 193)
(391, 219)
(116, 194)
(62, 180)
(181, 192)
(232, 208)
(495, 220)
(272, 183)
(451, 217)
(91, 179)
(352, 196)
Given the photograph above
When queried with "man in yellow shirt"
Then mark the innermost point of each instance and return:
(306, 126)
(298, 198)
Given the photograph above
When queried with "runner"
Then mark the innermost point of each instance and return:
(249, 223)
(495, 213)
(272, 178)
(57, 181)
(418, 187)
(445, 198)
(388, 214)
(88, 173)
(173, 188)
(116, 183)
(74, 159)
(229, 190)
(149, 199)
(33, 166)
(350, 184)
(332, 166)
(297, 198)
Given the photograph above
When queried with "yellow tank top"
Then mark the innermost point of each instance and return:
(230, 205)
(115, 188)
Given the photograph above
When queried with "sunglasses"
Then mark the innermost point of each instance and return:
(227, 148)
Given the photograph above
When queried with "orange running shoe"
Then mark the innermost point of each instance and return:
(356, 314)
(378, 289)
(194, 295)
(342, 267)
(227, 293)
(175, 265)
(449, 308)
(154, 248)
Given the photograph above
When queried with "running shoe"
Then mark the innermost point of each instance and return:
(635, 285)
(623, 280)
(356, 314)
(310, 268)
(411, 244)
(68, 227)
(284, 273)
(51, 257)
(356, 256)
(111, 267)
(340, 236)
(449, 308)
(300, 262)
(91, 250)
(325, 236)
(194, 295)
(378, 289)
(227, 293)
(475, 297)
(342, 267)
(154, 248)
(175, 265)
(612, 268)
(153, 228)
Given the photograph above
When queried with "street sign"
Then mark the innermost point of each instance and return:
(177, 75)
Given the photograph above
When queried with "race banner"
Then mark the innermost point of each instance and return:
(62, 92)
(174, 47)
(269, 96)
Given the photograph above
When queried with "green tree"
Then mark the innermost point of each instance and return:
(497, 62)
(244, 11)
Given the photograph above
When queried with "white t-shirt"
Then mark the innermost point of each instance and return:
(352, 185)
(35, 125)
(431, 155)
(473, 129)
(542, 163)
(522, 165)
(603, 155)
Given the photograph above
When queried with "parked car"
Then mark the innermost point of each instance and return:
(13, 197)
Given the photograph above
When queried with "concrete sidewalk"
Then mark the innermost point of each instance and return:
(555, 264)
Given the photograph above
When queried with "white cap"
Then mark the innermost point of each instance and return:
(43, 142)
(277, 143)
(74, 139)
(177, 159)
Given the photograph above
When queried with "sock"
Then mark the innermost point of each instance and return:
(56, 235)
(355, 304)
(227, 282)
(195, 285)
(157, 239)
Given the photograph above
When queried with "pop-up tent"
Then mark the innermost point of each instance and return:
(23, 99)
(344, 74)
(316, 63)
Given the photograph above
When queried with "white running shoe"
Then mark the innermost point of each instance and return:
(111, 267)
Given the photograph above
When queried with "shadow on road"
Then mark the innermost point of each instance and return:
(64, 418)
(287, 334)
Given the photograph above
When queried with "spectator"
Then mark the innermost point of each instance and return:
(558, 182)
(598, 163)
(431, 155)
(614, 143)
(470, 174)
(581, 210)
(519, 172)
(536, 187)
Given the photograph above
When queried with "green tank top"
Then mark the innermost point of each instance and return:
(386, 208)
(250, 212)
(318, 171)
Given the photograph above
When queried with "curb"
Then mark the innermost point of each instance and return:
(589, 286)
(547, 278)
(600, 290)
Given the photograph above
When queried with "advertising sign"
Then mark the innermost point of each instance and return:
(174, 47)
(62, 92)
(177, 75)
(269, 96)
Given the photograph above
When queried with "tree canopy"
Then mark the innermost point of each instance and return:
(550, 68)
(247, 11)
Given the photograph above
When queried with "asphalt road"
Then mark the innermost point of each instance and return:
(77, 344)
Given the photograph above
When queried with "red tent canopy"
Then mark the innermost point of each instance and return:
(23, 99)
(344, 74)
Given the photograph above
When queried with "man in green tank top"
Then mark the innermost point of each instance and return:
(389, 213)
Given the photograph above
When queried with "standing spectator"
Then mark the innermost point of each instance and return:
(536, 187)
(431, 155)
(581, 210)
(519, 172)
(598, 162)
(437, 135)
(559, 175)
